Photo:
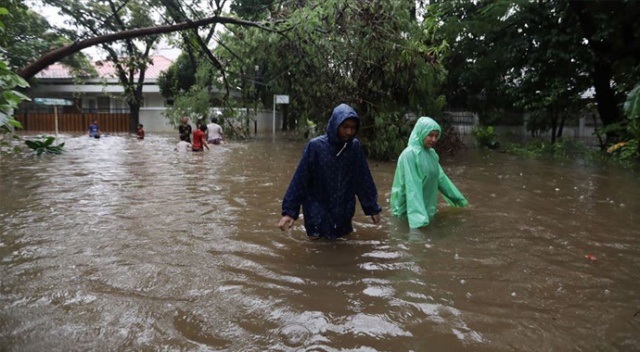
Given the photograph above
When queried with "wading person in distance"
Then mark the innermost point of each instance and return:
(419, 177)
(214, 132)
(185, 129)
(140, 131)
(200, 139)
(183, 146)
(94, 129)
(333, 170)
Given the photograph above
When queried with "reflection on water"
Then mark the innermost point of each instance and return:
(121, 244)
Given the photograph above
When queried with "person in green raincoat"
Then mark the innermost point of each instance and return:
(419, 177)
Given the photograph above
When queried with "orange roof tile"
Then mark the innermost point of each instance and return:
(106, 69)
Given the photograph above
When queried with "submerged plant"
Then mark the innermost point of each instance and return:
(44, 144)
(486, 137)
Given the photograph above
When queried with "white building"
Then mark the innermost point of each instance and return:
(103, 94)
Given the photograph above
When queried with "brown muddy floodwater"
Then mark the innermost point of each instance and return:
(126, 245)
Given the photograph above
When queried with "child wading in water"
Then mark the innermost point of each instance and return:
(183, 146)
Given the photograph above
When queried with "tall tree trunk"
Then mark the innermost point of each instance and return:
(563, 118)
(134, 109)
(134, 116)
(605, 96)
(601, 72)
(291, 119)
(554, 122)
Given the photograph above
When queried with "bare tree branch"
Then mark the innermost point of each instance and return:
(56, 55)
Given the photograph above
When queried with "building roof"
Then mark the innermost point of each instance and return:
(106, 69)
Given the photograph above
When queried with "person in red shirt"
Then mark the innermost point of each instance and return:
(140, 131)
(200, 139)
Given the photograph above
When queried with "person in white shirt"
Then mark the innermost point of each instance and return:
(183, 145)
(214, 132)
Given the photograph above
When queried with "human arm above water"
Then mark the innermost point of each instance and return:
(449, 191)
(366, 189)
(296, 192)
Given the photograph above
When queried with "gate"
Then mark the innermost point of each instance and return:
(73, 122)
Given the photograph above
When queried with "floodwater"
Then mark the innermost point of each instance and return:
(126, 245)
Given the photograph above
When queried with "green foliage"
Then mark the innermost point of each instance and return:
(236, 123)
(180, 77)
(632, 111)
(28, 36)
(538, 56)
(627, 151)
(197, 103)
(194, 103)
(10, 97)
(252, 10)
(44, 145)
(372, 55)
(9, 82)
(392, 134)
(563, 149)
(486, 137)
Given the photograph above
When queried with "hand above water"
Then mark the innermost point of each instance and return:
(285, 223)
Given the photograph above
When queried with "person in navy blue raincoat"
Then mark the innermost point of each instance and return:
(333, 170)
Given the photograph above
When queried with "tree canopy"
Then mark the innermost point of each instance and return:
(541, 56)
(388, 59)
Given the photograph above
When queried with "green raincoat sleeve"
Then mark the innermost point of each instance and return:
(449, 191)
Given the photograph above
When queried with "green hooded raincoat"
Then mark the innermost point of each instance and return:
(419, 177)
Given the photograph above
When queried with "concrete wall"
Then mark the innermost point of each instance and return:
(154, 121)
(463, 121)
(264, 122)
(154, 100)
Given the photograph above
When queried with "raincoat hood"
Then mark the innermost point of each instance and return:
(340, 113)
(330, 177)
(423, 127)
(419, 178)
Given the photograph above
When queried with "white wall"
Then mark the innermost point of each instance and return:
(153, 100)
(155, 122)
(264, 121)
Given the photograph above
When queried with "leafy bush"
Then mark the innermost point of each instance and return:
(44, 144)
(9, 96)
(627, 149)
(387, 137)
(627, 153)
(486, 137)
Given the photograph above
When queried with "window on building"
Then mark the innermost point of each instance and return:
(104, 104)
(120, 105)
(90, 105)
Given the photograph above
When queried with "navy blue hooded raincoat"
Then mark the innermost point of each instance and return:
(329, 176)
